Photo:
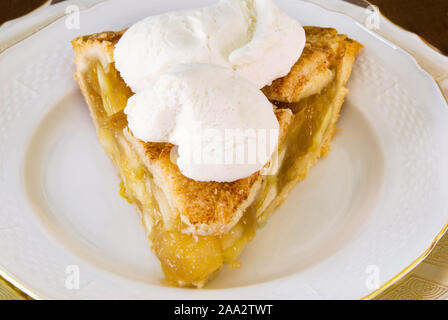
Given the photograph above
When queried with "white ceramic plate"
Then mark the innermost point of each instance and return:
(365, 213)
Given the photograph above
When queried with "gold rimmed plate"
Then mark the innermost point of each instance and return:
(374, 205)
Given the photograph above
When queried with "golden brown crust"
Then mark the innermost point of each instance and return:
(100, 44)
(315, 68)
(110, 36)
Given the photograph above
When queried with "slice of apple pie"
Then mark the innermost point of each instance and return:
(196, 227)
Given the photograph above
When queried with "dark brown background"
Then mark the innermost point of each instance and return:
(427, 18)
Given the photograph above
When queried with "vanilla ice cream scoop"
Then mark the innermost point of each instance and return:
(253, 37)
(224, 126)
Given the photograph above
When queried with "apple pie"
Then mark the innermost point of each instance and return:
(194, 228)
